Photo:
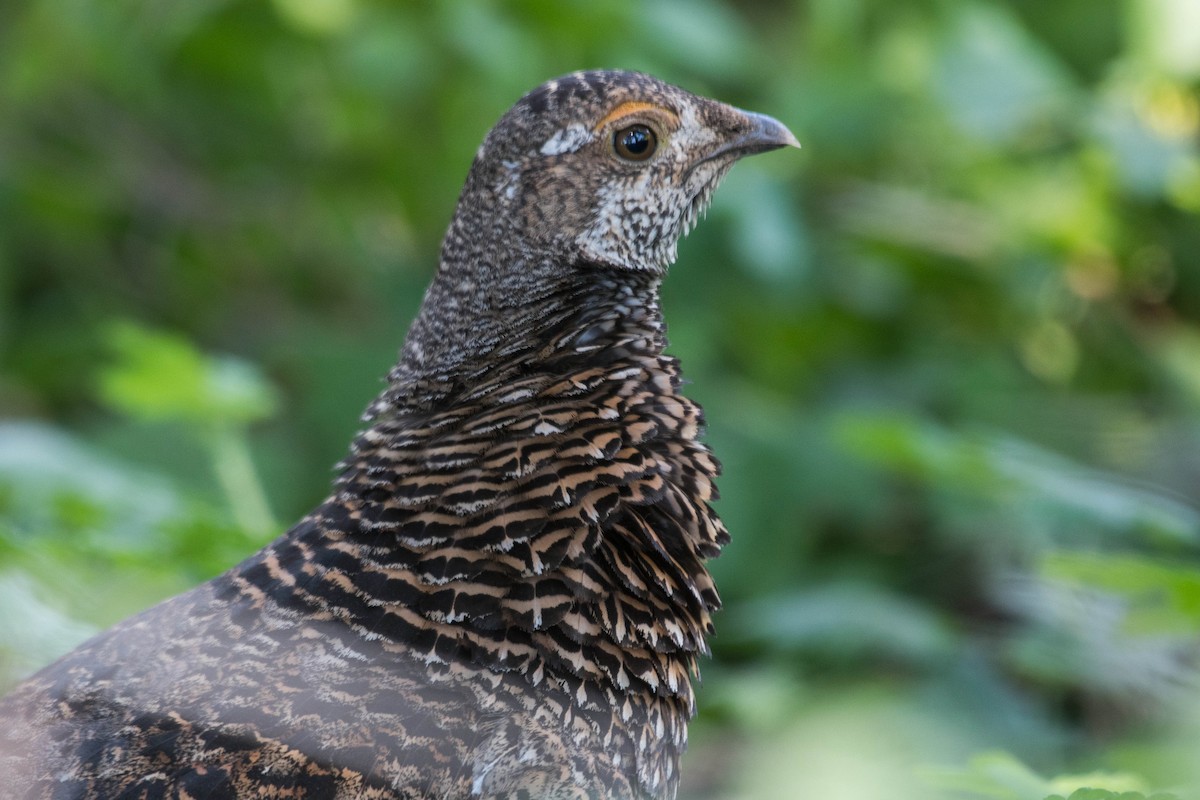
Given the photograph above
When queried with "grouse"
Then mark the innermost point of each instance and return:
(505, 594)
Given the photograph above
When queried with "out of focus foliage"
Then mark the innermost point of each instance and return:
(949, 352)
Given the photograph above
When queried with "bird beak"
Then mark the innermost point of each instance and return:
(762, 135)
(749, 133)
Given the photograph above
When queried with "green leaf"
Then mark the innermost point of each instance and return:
(1012, 472)
(1105, 794)
(844, 620)
(1162, 596)
(55, 486)
(994, 775)
(1001, 776)
(161, 377)
(994, 79)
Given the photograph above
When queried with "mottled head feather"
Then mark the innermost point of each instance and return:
(551, 164)
(547, 193)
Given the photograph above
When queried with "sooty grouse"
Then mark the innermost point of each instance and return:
(505, 595)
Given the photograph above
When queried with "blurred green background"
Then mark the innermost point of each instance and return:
(949, 351)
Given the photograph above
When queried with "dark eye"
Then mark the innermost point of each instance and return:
(635, 143)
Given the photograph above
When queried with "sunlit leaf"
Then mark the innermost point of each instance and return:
(1148, 135)
(1164, 596)
(994, 775)
(157, 376)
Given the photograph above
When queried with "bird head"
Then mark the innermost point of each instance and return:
(612, 167)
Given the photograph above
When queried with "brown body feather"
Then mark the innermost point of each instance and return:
(505, 596)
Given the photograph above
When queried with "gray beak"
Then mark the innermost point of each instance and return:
(765, 134)
(746, 133)
(751, 133)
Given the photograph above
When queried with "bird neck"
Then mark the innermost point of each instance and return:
(530, 504)
(529, 312)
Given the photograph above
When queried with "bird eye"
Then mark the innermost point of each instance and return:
(635, 143)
